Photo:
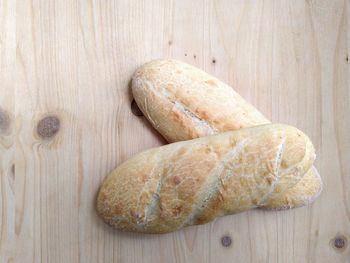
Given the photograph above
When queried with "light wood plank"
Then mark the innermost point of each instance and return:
(74, 60)
(8, 181)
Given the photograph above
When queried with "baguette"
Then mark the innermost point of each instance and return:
(183, 102)
(192, 182)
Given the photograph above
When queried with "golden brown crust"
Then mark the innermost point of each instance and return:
(306, 191)
(183, 102)
(192, 182)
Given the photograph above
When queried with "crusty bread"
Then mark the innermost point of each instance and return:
(304, 192)
(193, 182)
(183, 102)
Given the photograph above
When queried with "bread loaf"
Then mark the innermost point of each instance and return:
(183, 102)
(192, 182)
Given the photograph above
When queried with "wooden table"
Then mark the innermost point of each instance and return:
(65, 121)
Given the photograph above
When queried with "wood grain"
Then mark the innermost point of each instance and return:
(8, 181)
(72, 59)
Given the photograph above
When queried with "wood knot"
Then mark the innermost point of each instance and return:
(48, 127)
(4, 121)
(12, 173)
(213, 61)
(135, 109)
(226, 241)
(339, 243)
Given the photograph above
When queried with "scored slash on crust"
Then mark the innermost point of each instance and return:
(199, 123)
(216, 182)
(276, 175)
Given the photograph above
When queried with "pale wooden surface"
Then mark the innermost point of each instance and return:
(74, 59)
